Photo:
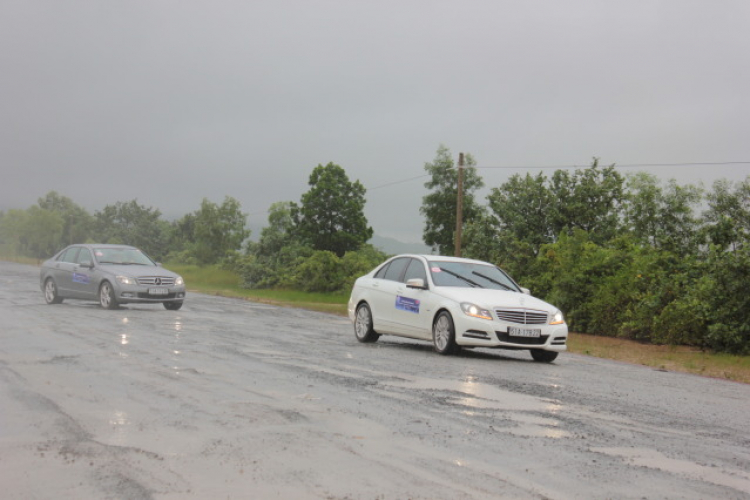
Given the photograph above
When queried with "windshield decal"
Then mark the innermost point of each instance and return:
(407, 304)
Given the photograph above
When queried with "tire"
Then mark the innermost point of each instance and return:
(50, 292)
(172, 306)
(363, 325)
(107, 297)
(543, 356)
(444, 335)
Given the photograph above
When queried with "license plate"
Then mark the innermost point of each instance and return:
(158, 291)
(524, 332)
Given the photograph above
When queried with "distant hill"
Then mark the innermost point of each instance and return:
(394, 247)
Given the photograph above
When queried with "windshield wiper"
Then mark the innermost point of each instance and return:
(463, 278)
(494, 281)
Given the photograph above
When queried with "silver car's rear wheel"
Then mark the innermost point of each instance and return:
(363, 324)
(50, 292)
(444, 334)
(107, 296)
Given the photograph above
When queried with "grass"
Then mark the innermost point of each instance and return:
(216, 281)
(663, 357)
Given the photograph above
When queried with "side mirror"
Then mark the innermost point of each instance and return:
(86, 263)
(526, 291)
(417, 283)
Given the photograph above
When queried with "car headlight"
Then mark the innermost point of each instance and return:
(179, 281)
(557, 318)
(475, 311)
(127, 280)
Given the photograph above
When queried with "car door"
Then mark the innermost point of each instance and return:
(382, 297)
(83, 280)
(413, 305)
(62, 272)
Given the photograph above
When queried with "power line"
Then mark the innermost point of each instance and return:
(402, 181)
(633, 165)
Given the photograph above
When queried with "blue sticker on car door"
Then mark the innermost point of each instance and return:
(407, 304)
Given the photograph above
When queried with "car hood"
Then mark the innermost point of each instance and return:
(493, 299)
(136, 271)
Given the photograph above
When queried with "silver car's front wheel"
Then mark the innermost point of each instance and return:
(444, 334)
(50, 292)
(107, 296)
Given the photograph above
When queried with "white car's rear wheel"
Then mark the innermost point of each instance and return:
(444, 334)
(363, 324)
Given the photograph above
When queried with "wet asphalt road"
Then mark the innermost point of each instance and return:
(232, 399)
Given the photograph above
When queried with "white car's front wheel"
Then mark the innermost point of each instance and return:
(444, 334)
(363, 329)
(543, 356)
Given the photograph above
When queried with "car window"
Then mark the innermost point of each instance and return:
(415, 270)
(470, 275)
(396, 269)
(69, 255)
(381, 272)
(124, 256)
(84, 256)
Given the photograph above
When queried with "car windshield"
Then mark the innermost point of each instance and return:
(123, 256)
(471, 275)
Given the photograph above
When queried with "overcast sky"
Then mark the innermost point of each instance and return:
(170, 102)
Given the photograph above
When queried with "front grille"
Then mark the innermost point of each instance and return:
(504, 337)
(522, 316)
(156, 280)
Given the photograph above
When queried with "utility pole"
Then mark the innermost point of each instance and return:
(459, 204)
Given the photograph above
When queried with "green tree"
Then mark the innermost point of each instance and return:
(133, 224)
(662, 217)
(524, 209)
(272, 260)
(219, 230)
(279, 231)
(77, 222)
(331, 214)
(439, 206)
(728, 215)
(35, 232)
(589, 199)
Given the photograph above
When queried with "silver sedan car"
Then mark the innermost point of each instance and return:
(111, 274)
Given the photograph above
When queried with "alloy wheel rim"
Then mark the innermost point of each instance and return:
(442, 333)
(363, 321)
(105, 295)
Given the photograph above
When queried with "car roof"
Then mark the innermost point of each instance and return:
(102, 245)
(444, 258)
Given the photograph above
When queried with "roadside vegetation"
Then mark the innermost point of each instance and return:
(630, 258)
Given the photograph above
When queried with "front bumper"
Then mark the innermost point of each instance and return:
(131, 294)
(475, 332)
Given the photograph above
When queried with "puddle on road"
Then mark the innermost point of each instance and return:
(523, 410)
(643, 457)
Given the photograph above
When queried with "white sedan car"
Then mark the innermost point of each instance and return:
(454, 302)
